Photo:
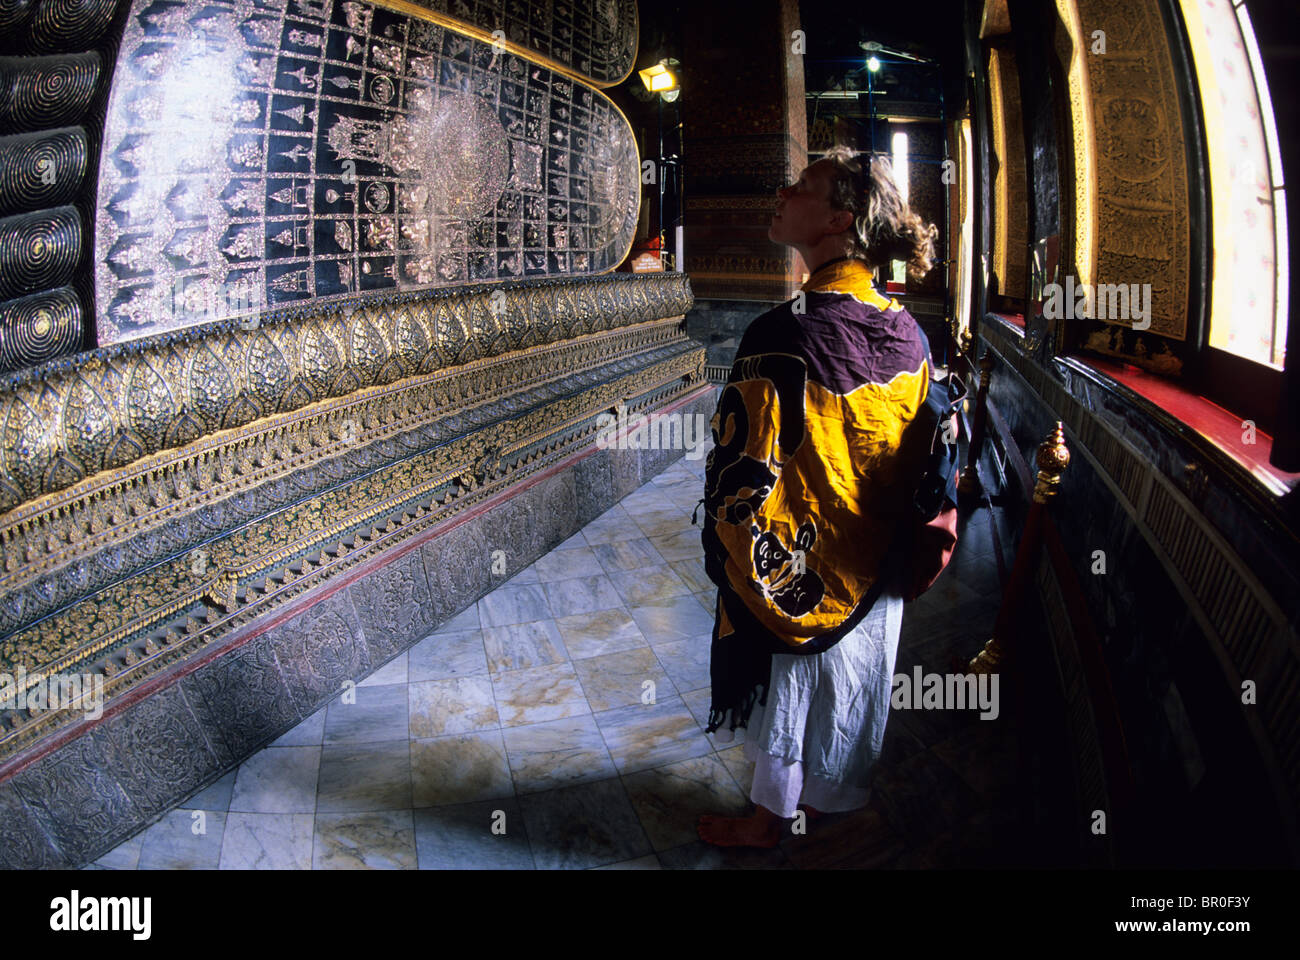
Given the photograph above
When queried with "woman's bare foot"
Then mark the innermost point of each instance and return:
(761, 829)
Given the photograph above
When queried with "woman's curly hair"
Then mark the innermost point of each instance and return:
(884, 226)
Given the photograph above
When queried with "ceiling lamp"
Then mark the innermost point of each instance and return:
(662, 78)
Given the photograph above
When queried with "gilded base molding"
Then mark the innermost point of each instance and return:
(136, 506)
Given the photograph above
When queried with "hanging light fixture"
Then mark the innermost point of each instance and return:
(662, 79)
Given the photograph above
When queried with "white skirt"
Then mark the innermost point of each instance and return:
(818, 739)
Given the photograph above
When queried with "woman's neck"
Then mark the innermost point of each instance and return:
(830, 248)
(827, 263)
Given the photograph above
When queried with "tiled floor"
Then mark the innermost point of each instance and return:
(558, 723)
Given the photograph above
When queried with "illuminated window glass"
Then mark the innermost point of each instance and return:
(898, 269)
(1248, 308)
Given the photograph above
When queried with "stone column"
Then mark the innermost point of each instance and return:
(745, 135)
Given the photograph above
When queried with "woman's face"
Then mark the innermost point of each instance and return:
(804, 216)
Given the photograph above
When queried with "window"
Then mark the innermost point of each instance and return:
(1249, 276)
(898, 268)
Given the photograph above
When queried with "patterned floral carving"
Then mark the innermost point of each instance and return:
(225, 376)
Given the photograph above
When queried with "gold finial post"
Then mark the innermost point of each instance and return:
(1053, 457)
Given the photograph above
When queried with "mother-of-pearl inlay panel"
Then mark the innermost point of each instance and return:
(596, 39)
(262, 152)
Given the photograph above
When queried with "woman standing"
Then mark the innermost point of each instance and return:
(803, 492)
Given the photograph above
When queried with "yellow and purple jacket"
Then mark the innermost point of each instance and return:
(807, 482)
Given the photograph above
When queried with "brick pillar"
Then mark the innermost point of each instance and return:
(744, 136)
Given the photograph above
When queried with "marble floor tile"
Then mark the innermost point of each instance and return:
(619, 679)
(699, 702)
(626, 555)
(651, 735)
(475, 836)
(704, 856)
(985, 756)
(691, 572)
(587, 825)
(460, 769)
(394, 671)
(682, 544)
(523, 645)
(309, 733)
(900, 742)
(184, 840)
(683, 488)
(368, 776)
(648, 583)
(709, 601)
(459, 705)
(980, 575)
(216, 796)
(670, 799)
(582, 595)
(610, 526)
(125, 856)
(648, 499)
(648, 862)
(441, 656)
(548, 755)
(528, 574)
(922, 796)
(677, 473)
(514, 604)
(467, 619)
(862, 839)
(687, 500)
(379, 713)
(604, 631)
(382, 840)
(538, 694)
(687, 662)
(949, 591)
(573, 541)
(567, 564)
(741, 767)
(666, 524)
(267, 841)
(674, 618)
(277, 780)
(616, 512)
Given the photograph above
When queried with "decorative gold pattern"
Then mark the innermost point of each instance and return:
(1131, 191)
(1053, 457)
(1011, 217)
(117, 405)
(141, 500)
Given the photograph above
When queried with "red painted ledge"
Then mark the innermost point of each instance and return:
(1218, 425)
